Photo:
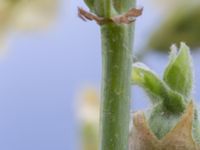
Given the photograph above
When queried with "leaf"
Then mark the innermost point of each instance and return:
(156, 89)
(147, 79)
(181, 25)
(178, 75)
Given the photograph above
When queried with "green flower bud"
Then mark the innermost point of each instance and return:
(172, 122)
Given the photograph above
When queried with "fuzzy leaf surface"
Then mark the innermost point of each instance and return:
(178, 74)
(156, 89)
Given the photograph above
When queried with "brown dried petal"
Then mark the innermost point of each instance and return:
(126, 18)
(84, 15)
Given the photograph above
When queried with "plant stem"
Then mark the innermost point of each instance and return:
(116, 77)
(116, 85)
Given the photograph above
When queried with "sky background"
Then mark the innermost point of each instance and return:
(42, 74)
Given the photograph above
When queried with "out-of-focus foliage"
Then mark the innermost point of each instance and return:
(182, 24)
(89, 116)
(25, 15)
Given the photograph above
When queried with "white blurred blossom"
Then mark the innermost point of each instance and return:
(18, 15)
(89, 106)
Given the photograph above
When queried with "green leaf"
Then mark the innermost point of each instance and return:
(149, 81)
(156, 89)
(182, 25)
(178, 74)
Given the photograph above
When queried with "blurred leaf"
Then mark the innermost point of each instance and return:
(182, 25)
(90, 137)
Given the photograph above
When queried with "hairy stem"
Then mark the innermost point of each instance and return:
(116, 81)
(116, 77)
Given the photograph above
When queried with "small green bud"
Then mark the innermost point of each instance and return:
(170, 96)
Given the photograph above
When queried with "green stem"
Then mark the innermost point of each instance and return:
(116, 81)
(116, 84)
